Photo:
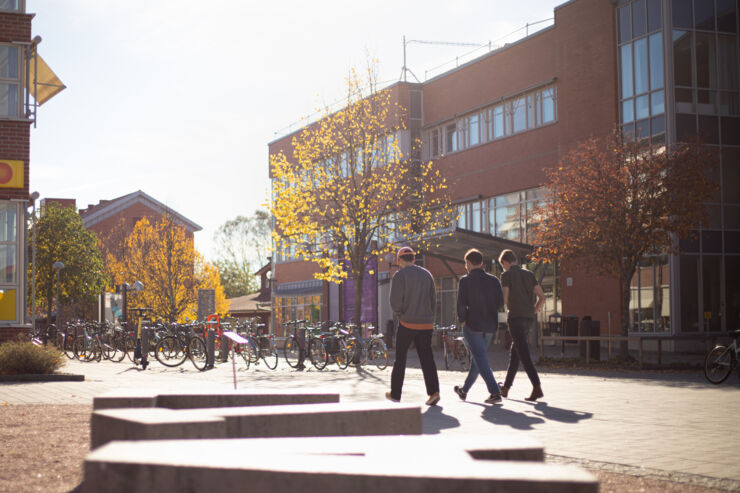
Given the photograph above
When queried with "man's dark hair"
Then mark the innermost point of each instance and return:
(508, 256)
(407, 257)
(474, 256)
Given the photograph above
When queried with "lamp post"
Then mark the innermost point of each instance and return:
(34, 196)
(58, 266)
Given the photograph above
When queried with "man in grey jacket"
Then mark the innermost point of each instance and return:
(413, 299)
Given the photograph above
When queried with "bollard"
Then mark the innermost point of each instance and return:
(210, 348)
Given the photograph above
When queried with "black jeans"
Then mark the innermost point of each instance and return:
(423, 341)
(518, 328)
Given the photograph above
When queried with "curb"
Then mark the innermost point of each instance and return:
(55, 377)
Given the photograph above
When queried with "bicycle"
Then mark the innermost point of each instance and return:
(140, 356)
(335, 344)
(263, 345)
(721, 360)
(182, 343)
(296, 350)
(455, 349)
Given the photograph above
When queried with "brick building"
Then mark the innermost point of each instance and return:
(127, 210)
(665, 68)
(26, 82)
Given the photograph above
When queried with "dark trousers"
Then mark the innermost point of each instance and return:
(423, 341)
(518, 328)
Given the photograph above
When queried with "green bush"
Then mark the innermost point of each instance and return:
(22, 357)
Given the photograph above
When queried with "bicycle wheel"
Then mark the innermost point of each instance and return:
(317, 351)
(342, 356)
(69, 346)
(83, 348)
(377, 354)
(119, 342)
(130, 346)
(197, 352)
(254, 349)
(109, 348)
(462, 355)
(448, 355)
(169, 352)
(270, 354)
(292, 353)
(244, 352)
(718, 364)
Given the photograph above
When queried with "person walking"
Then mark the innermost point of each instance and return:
(520, 287)
(413, 299)
(479, 298)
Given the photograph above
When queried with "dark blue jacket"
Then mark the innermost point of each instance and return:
(479, 298)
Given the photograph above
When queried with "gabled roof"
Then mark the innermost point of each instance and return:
(107, 208)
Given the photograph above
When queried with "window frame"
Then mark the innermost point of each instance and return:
(17, 81)
(18, 282)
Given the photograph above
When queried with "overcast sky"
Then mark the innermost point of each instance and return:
(179, 98)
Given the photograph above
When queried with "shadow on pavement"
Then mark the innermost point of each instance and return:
(499, 415)
(434, 421)
(559, 414)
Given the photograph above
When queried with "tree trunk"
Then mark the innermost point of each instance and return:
(358, 294)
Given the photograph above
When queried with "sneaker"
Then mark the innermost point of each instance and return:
(460, 393)
(388, 396)
(433, 399)
(494, 399)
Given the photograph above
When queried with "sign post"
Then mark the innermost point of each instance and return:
(236, 339)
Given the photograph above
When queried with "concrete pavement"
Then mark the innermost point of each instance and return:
(670, 422)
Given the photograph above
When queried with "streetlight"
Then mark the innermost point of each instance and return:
(33, 197)
(58, 266)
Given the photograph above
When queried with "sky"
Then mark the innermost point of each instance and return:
(180, 98)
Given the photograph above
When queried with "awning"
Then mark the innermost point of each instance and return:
(453, 247)
(44, 83)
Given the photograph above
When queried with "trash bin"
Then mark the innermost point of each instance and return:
(570, 327)
(590, 328)
(554, 324)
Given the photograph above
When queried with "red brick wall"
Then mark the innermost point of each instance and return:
(15, 27)
(14, 145)
(294, 271)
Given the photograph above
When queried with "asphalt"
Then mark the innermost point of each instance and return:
(672, 423)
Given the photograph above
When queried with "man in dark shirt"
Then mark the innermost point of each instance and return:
(479, 298)
(520, 286)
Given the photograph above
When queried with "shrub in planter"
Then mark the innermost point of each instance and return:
(22, 357)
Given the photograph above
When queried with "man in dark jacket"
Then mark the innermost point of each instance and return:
(479, 298)
(413, 300)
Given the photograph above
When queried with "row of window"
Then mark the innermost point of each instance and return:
(505, 216)
(517, 114)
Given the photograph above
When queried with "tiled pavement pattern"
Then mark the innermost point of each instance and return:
(672, 422)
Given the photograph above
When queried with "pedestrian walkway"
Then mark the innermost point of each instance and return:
(674, 422)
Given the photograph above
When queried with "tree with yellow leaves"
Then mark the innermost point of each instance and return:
(352, 190)
(163, 258)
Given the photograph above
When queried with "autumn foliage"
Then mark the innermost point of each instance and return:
(348, 191)
(163, 258)
(612, 201)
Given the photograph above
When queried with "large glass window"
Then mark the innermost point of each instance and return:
(650, 296)
(10, 81)
(446, 301)
(450, 138)
(641, 68)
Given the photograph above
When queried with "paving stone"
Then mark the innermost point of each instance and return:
(388, 464)
(332, 419)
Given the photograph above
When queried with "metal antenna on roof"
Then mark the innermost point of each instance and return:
(405, 69)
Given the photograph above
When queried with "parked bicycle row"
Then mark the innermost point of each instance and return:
(171, 344)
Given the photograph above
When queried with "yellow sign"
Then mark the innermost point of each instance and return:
(11, 173)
